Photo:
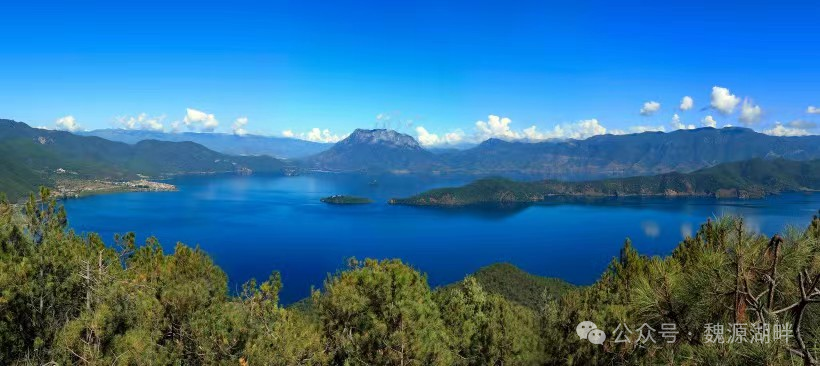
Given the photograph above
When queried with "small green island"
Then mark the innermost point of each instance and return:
(346, 200)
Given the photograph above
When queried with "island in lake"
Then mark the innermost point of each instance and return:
(346, 200)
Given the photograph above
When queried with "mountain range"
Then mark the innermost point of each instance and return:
(278, 147)
(597, 157)
(32, 157)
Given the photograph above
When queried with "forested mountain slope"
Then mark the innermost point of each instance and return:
(37, 156)
(752, 178)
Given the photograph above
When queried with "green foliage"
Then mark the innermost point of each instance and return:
(517, 286)
(70, 299)
(487, 329)
(381, 312)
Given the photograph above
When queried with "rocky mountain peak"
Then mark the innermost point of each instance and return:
(381, 137)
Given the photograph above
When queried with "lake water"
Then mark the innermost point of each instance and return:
(252, 225)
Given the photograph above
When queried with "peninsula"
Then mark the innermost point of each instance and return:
(746, 179)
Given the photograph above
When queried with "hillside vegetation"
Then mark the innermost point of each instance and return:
(69, 299)
(517, 286)
(32, 157)
(746, 179)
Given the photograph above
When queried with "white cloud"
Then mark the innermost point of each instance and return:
(500, 127)
(812, 110)
(454, 137)
(315, 134)
(749, 113)
(199, 120)
(176, 126)
(495, 127)
(639, 129)
(678, 125)
(140, 122)
(239, 126)
(782, 130)
(578, 130)
(67, 123)
(686, 103)
(708, 121)
(649, 108)
(806, 125)
(426, 138)
(723, 101)
(531, 133)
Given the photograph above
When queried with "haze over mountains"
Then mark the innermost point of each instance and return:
(278, 147)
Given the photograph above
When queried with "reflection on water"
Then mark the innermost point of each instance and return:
(253, 225)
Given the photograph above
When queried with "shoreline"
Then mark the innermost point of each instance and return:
(69, 189)
(444, 202)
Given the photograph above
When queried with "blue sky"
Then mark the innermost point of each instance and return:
(571, 69)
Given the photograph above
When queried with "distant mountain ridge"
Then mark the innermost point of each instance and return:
(278, 147)
(38, 157)
(630, 155)
(602, 156)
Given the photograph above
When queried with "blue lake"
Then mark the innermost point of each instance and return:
(252, 225)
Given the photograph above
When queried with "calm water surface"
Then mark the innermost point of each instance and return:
(254, 225)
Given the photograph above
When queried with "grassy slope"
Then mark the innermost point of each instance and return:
(750, 178)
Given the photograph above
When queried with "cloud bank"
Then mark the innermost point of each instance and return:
(315, 135)
(708, 121)
(750, 113)
(197, 120)
(650, 108)
(723, 101)
(780, 129)
(140, 122)
(67, 123)
(686, 103)
(678, 125)
(239, 126)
